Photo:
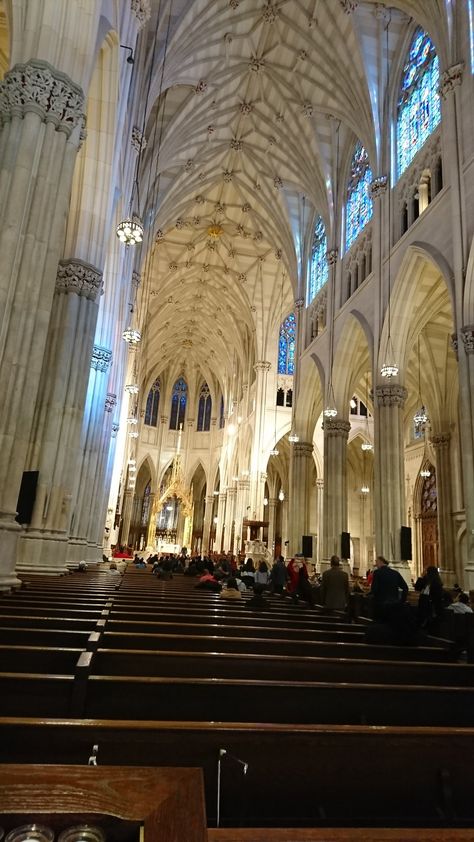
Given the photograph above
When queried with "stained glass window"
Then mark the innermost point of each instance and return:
(152, 404)
(419, 106)
(359, 203)
(286, 346)
(318, 275)
(204, 409)
(222, 415)
(178, 404)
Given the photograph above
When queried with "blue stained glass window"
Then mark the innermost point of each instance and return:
(178, 404)
(359, 203)
(204, 409)
(286, 346)
(152, 404)
(419, 105)
(221, 415)
(319, 265)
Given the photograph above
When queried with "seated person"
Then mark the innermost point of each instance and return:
(231, 590)
(113, 569)
(208, 582)
(461, 604)
(258, 601)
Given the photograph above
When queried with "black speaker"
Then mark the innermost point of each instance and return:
(345, 545)
(27, 496)
(405, 543)
(307, 546)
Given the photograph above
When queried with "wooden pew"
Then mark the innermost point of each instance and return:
(39, 659)
(244, 629)
(320, 775)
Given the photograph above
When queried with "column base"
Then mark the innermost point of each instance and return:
(41, 551)
(9, 533)
(76, 551)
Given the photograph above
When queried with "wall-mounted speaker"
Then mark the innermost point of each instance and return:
(27, 496)
(307, 546)
(405, 543)
(345, 545)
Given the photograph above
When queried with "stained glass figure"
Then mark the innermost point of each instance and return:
(419, 105)
(152, 404)
(204, 409)
(318, 275)
(359, 203)
(178, 404)
(286, 346)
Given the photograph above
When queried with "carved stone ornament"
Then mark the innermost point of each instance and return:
(299, 303)
(455, 343)
(378, 186)
(450, 79)
(101, 358)
(467, 334)
(142, 11)
(138, 139)
(262, 365)
(270, 12)
(136, 279)
(110, 402)
(303, 449)
(331, 256)
(336, 427)
(115, 429)
(349, 6)
(391, 395)
(440, 440)
(76, 276)
(39, 87)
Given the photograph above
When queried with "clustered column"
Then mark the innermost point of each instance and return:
(389, 469)
(301, 462)
(336, 433)
(441, 443)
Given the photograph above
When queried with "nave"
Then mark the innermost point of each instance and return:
(335, 732)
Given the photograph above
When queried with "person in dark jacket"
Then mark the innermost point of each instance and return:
(334, 592)
(278, 575)
(388, 587)
(431, 600)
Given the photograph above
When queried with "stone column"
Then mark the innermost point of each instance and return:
(320, 518)
(301, 460)
(336, 433)
(230, 519)
(57, 421)
(243, 494)
(258, 459)
(41, 120)
(207, 525)
(272, 505)
(221, 516)
(95, 525)
(284, 528)
(126, 517)
(466, 432)
(389, 472)
(451, 570)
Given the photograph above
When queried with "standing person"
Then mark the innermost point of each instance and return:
(292, 572)
(431, 599)
(303, 588)
(278, 575)
(335, 586)
(388, 587)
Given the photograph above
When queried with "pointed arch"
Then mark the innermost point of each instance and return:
(179, 399)
(204, 409)
(152, 404)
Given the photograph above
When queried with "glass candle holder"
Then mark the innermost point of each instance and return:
(30, 833)
(82, 833)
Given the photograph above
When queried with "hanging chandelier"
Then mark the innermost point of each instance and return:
(281, 495)
(132, 335)
(366, 445)
(425, 473)
(274, 452)
(293, 438)
(130, 230)
(420, 417)
(133, 434)
(365, 489)
(132, 420)
(131, 388)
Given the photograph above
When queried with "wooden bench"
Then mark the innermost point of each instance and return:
(320, 775)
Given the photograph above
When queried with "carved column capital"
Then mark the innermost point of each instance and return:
(390, 395)
(455, 344)
(142, 11)
(320, 483)
(450, 79)
(136, 279)
(164, 419)
(467, 336)
(110, 402)
(231, 492)
(336, 427)
(75, 275)
(349, 6)
(138, 139)
(303, 449)
(440, 440)
(262, 365)
(331, 256)
(243, 484)
(378, 186)
(299, 304)
(115, 429)
(101, 358)
(37, 86)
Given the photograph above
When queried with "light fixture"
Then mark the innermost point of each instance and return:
(130, 230)
(420, 417)
(235, 479)
(274, 452)
(265, 501)
(215, 493)
(133, 434)
(425, 473)
(132, 336)
(231, 429)
(215, 520)
(389, 367)
(365, 489)
(293, 438)
(239, 419)
(132, 420)
(353, 403)
(367, 445)
(281, 495)
(131, 388)
(130, 59)
(169, 508)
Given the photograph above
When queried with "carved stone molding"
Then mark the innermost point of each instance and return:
(262, 365)
(75, 275)
(164, 419)
(332, 256)
(101, 358)
(39, 87)
(440, 440)
(136, 279)
(231, 492)
(390, 395)
(467, 335)
(303, 449)
(378, 186)
(138, 139)
(142, 11)
(299, 304)
(349, 6)
(243, 484)
(450, 79)
(320, 483)
(336, 427)
(115, 429)
(455, 343)
(110, 401)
